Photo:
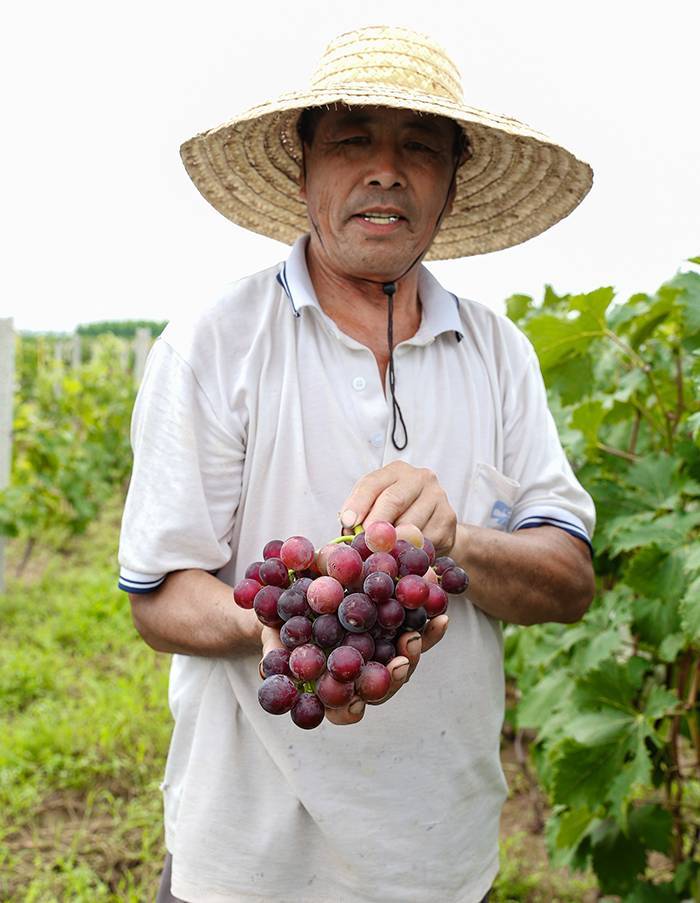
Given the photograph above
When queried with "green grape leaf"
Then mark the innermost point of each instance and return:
(670, 646)
(688, 285)
(601, 727)
(518, 306)
(654, 620)
(693, 260)
(667, 532)
(659, 702)
(633, 778)
(652, 825)
(646, 892)
(581, 775)
(538, 702)
(587, 418)
(596, 649)
(689, 609)
(572, 378)
(656, 574)
(613, 685)
(617, 858)
(656, 479)
(556, 339)
(573, 826)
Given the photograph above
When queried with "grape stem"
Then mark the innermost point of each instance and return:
(309, 686)
(349, 538)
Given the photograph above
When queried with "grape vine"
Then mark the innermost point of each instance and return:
(614, 699)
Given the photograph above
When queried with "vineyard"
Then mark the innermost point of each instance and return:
(602, 736)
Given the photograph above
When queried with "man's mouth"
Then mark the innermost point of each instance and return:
(379, 218)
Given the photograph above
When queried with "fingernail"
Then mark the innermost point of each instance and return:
(400, 672)
(357, 707)
(348, 518)
(260, 670)
(414, 644)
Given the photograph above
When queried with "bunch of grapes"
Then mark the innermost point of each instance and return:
(340, 612)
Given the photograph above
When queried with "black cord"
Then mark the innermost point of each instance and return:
(389, 289)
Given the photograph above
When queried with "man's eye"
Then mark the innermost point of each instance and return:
(354, 139)
(417, 145)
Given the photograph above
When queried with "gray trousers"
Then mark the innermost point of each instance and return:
(164, 895)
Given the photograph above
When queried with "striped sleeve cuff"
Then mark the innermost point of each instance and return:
(131, 582)
(549, 516)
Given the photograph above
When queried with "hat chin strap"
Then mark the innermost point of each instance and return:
(390, 289)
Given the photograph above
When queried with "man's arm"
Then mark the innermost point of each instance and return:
(528, 577)
(193, 613)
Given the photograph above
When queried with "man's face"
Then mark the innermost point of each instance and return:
(376, 181)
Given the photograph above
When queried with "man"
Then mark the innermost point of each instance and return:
(349, 380)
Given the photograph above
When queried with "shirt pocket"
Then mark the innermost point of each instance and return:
(491, 497)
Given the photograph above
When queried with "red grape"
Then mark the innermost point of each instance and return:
(324, 595)
(295, 632)
(292, 603)
(373, 682)
(333, 693)
(380, 536)
(253, 571)
(265, 605)
(308, 711)
(363, 642)
(301, 584)
(273, 572)
(307, 662)
(276, 662)
(412, 591)
(382, 561)
(245, 591)
(401, 546)
(345, 564)
(322, 558)
(272, 549)
(379, 586)
(345, 663)
(327, 631)
(360, 546)
(357, 613)
(436, 603)
(384, 651)
(390, 614)
(297, 553)
(277, 694)
(411, 534)
(429, 550)
(413, 561)
(455, 580)
(416, 619)
(440, 565)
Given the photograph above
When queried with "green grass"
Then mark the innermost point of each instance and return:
(84, 728)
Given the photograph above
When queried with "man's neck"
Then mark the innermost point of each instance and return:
(359, 307)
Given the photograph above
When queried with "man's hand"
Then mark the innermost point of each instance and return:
(403, 494)
(409, 647)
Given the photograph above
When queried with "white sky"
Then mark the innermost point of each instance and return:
(100, 221)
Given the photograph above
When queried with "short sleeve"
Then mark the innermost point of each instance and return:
(186, 479)
(549, 492)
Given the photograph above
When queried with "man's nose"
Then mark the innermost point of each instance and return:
(385, 169)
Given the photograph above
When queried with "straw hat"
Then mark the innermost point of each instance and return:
(516, 183)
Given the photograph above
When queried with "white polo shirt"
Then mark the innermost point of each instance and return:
(255, 418)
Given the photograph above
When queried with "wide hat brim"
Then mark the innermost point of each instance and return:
(516, 184)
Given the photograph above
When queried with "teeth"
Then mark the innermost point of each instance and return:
(380, 217)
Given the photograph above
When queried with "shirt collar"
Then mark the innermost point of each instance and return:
(440, 307)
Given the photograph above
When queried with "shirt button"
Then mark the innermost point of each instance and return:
(377, 439)
(358, 383)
